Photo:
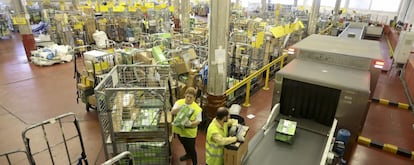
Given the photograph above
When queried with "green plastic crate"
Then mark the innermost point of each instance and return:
(285, 131)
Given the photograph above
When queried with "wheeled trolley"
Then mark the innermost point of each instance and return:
(55, 141)
(132, 107)
(92, 69)
(14, 157)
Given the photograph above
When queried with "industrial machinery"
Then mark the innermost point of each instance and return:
(310, 145)
(354, 30)
(132, 106)
(331, 79)
(404, 47)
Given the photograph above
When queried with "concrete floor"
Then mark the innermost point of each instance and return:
(31, 94)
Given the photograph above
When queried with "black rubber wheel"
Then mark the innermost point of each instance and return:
(87, 106)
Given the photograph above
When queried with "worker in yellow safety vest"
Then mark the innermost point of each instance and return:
(146, 25)
(216, 139)
(187, 135)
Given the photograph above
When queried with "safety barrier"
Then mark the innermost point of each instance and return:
(386, 147)
(247, 81)
(395, 104)
(326, 30)
(391, 51)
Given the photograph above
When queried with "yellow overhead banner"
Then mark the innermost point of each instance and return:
(163, 5)
(103, 8)
(19, 21)
(283, 30)
(118, 9)
(288, 28)
(143, 9)
(132, 9)
(278, 31)
(149, 5)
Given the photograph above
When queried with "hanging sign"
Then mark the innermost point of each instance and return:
(19, 21)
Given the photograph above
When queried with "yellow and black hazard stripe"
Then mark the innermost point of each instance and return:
(395, 104)
(386, 147)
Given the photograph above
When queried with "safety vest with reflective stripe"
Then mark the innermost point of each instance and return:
(190, 132)
(214, 152)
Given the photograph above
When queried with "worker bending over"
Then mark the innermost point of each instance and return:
(217, 133)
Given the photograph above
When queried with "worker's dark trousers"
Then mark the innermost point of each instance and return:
(189, 146)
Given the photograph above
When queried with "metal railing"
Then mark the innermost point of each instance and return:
(125, 156)
(247, 80)
(7, 156)
(326, 30)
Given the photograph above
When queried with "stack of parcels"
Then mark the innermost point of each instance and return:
(183, 61)
(98, 61)
(123, 112)
(143, 57)
(124, 56)
(134, 56)
(183, 116)
(285, 131)
(241, 131)
(128, 118)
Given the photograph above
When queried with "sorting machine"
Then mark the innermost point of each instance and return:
(326, 87)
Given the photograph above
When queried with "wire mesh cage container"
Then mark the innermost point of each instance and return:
(14, 157)
(240, 36)
(132, 106)
(57, 140)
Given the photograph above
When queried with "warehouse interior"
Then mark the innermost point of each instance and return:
(360, 52)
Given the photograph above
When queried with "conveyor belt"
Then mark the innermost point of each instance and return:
(306, 149)
(357, 31)
(357, 28)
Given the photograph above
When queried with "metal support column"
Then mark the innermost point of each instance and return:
(264, 8)
(25, 29)
(346, 4)
(409, 16)
(217, 55)
(176, 14)
(185, 16)
(314, 15)
(176, 5)
(76, 5)
(336, 12)
(403, 10)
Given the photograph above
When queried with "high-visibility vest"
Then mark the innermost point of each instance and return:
(146, 24)
(192, 131)
(214, 152)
